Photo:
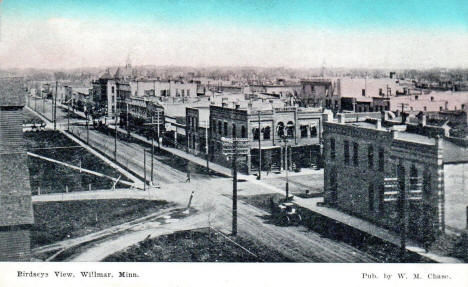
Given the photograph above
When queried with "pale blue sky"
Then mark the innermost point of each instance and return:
(296, 33)
(329, 13)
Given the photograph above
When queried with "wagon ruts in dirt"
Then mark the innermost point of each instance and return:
(285, 212)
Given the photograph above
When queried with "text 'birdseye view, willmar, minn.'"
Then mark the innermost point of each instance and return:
(215, 132)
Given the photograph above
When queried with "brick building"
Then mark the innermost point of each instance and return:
(197, 128)
(301, 127)
(16, 213)
(367, 165)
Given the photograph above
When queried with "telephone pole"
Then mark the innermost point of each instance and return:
(234, 189)
(144, 169)
(206, 147)
(152, 145)
(55, 106)
(259, 149)
(115, 140)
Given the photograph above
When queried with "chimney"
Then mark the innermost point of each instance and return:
(237, 106)
(423, 120)
(378, 124)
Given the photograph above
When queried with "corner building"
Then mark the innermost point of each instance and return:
(367, 166)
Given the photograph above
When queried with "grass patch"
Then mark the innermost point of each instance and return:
(201, 245)
(54, 178)
(56, 221)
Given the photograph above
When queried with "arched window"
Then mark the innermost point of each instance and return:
(255, 133)
(290, 129)
(266, 133)
(280, 129)
(303, 131)
(243, 132)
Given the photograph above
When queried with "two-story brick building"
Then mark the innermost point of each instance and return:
(271, 125)
(368, 167)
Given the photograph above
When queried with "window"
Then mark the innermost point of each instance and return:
(214, 126)
(355, 154)
(256, 133)
(280, 129)
(113, 89)
(332, 149)
(370, 156)
(225, 129)
(346, 152)
(370, 194)
(220, 128)
(381, 159)
(234, 135)
(243, 132)
(303, 131)
(266, 133)
(188, 93)
(290, 129)
(425, 108)
(313, 131)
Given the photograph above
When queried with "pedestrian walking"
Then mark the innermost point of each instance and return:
(188, 172)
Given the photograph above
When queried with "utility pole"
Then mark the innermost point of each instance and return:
(144, 169)
(115, 140)
(159, 122)
(259, 149)
(87, 129)
(68, 115)
(234, 189)
(128, 124)
(286, 166)
(206, 148)
(152, 145)
(55, 105)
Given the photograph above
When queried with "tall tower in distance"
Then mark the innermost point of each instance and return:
(16, 213)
